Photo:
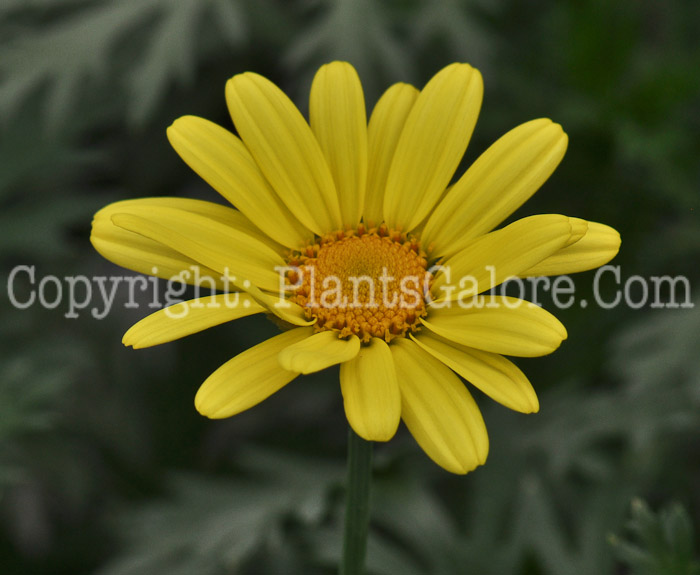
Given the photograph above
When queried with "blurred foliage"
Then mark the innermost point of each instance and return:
(664, 542)
(106, 468)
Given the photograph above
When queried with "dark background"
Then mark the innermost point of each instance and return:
(105, 466)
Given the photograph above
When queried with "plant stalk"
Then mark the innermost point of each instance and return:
(357, 505)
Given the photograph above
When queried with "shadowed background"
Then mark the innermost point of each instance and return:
(106, 468)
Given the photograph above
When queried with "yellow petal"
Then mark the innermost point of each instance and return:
(241, 260)
(222, 160)
(438, 410)
(499, 182)
(489, 260)
(499, 324)
(385, 127)
(211, 243)
(318, 352)
(222, 214)
(188, 317)
(579, 228)
(286, 150)
(496, 376)
(371, 392)
(248, 378)
(339, 121)
(142, 255)
(139, 253)
(432, 144)
(287, 311)
(600, 244)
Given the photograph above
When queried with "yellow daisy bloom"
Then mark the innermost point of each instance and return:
(353, 236)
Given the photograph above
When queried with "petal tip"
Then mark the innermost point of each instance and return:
(128, 339)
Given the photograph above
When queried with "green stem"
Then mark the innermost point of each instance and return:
(357, 505)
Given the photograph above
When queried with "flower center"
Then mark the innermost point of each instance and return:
(370, 283)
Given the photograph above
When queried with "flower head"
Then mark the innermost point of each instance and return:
(353, 236)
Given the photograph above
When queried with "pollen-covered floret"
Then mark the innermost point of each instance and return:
(366, 282)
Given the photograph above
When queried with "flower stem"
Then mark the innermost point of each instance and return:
(357, 505)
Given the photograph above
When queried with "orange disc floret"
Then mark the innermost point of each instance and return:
(366, 282)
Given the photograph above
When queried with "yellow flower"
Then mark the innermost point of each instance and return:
(351, 234)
